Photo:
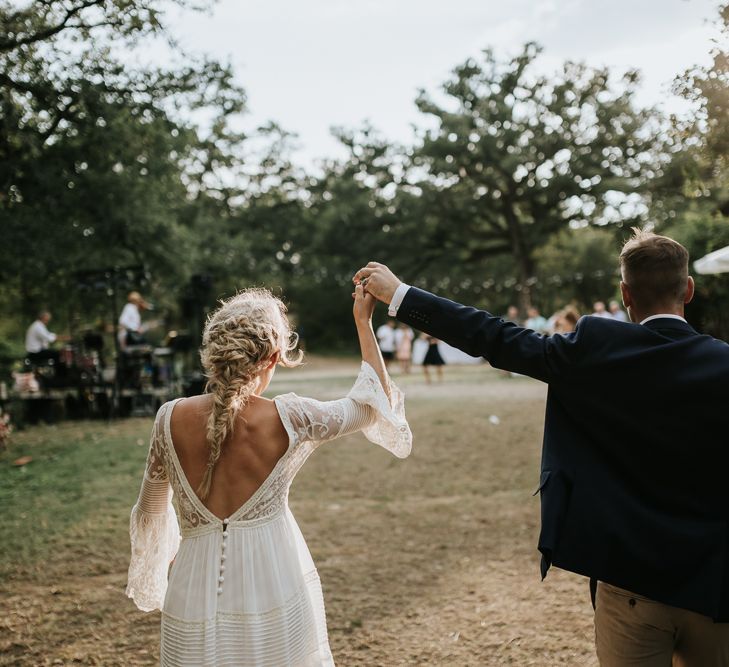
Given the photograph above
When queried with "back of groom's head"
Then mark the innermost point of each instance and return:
(655, 269)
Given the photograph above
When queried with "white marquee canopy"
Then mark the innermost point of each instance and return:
(714, 262)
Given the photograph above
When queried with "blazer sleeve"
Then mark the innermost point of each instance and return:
(479, 333)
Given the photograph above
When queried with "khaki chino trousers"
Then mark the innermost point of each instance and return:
(631, 630)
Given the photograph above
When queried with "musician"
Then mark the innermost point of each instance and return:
(130, 321)
(38, 338)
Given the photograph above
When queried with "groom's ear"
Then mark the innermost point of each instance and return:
(625, 292)
(689, 290)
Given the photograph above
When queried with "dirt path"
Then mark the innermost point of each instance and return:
(428, 561)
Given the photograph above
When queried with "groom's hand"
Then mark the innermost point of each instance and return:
(378, 281)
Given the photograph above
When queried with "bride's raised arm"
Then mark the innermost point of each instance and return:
(364, 306)
(374, 404)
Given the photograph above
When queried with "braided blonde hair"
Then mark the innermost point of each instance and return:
(239, 339)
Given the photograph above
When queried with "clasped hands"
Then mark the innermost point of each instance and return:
(376, 279)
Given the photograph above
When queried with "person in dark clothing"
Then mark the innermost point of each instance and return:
(633, 485)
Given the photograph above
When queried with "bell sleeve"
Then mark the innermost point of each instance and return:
(153, 531)
(366, 408)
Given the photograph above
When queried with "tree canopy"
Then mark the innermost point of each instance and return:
(520, 191)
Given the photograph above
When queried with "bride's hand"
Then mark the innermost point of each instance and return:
(364, 305)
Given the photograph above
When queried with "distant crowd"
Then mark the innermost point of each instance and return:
(396, 340)
(564, 320)
(396, 344)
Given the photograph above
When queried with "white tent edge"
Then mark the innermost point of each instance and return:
(714, 262)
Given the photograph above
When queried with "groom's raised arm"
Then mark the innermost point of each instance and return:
(476, 332)
(479, 333)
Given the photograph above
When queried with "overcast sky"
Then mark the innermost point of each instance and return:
(313, 64)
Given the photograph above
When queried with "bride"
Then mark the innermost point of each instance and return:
(242, 589)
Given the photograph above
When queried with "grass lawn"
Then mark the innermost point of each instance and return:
(427, 561)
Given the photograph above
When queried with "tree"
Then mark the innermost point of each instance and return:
(516, 157)
(348, 218)
(578, 266)
(691, 200)
(100, 163)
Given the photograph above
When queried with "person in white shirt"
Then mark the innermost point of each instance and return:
(38, 338)
(386, 338)
(599, 309)
(536, 321)
(130, 320)
(617, 312)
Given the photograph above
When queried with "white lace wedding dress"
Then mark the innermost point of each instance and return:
(244, 590)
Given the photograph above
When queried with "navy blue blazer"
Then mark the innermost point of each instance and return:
(634, 479)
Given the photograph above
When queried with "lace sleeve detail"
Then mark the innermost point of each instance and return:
(366, 408)
(387, 425)
(153, 528)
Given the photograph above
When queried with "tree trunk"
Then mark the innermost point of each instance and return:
(522, 255)
(526, 271)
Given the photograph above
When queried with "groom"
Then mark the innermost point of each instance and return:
(635, 462)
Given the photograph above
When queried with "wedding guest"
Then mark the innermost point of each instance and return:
(432, 358)
(38, 338)
(617, 312)
(599, 309)
(535, 321)
(404, 346)
(512, 314)
(386, 340)
(130, 321)
(566, 320)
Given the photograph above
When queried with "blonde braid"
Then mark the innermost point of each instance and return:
(238, 342)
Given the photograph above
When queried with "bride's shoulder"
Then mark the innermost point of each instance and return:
(186, 409)
(188, 404)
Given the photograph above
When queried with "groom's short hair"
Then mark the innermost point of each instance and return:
(655, 268)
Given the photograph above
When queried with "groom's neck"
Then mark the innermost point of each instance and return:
(638, 315)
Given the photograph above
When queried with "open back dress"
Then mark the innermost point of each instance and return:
(243, 591)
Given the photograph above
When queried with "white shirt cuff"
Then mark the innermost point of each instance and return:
(397, 298)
